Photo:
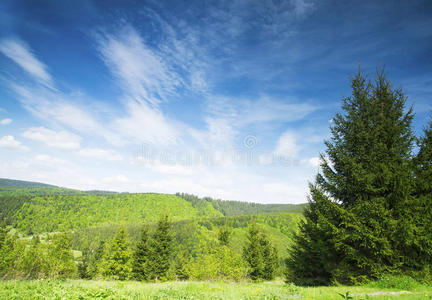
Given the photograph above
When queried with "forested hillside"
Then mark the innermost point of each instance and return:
(40, 209)
(93, 220)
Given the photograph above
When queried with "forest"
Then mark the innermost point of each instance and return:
(367, 218)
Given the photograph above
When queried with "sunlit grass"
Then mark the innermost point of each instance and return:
(81, 289)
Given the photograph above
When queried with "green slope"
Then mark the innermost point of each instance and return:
(68, 212)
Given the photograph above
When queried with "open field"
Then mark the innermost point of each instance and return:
(81, 289)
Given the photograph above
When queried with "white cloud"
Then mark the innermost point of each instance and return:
(314, 161)
(49, 159)
(10, 143)
(21, 54)
(56, 139)
(287, 145)
(102, 154)
(5, 121)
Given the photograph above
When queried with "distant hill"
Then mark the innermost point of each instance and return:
(92, 216)
(4, 182)
(238, 208)
(33, 207)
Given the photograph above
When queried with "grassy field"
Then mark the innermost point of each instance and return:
(80, 289)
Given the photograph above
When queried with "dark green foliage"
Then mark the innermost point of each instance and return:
(140, 264)
(117, 258)
(95, 258)
(356, 227)
(261, 256)
(161, 250)
(3, 233)
(224, 234)
(419, 244)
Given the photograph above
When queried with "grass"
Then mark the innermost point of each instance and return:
(81, 289)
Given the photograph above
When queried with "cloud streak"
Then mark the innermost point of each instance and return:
(18, 51)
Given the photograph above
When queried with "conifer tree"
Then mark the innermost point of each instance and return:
(161, 250)
(116, 262)
(252, 253)
(260, 255)
(270, 259)
(60, 254)
(361, 195)
(95, 259)
(140, 265)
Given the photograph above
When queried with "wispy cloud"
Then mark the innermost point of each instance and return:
(18, 51)
(56, 139)
(141, 71)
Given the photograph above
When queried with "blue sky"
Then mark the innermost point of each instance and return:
(230, 99)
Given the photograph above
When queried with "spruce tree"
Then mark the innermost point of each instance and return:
(252, 253)
(116, 262)
(360, 198)
(140, 265)
(161, 250)
(96, 259)
(61, 257)
(270, 258)
(260, 255)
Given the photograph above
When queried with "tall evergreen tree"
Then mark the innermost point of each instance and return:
(270, 258)
(140, 265)
(161, 250)
(95, 259)
(360, 197)
(260, 255)
(252, 253)
(116, 262)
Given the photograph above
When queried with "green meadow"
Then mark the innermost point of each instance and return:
(82, 289)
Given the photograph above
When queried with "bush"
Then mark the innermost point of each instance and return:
(402, 282)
